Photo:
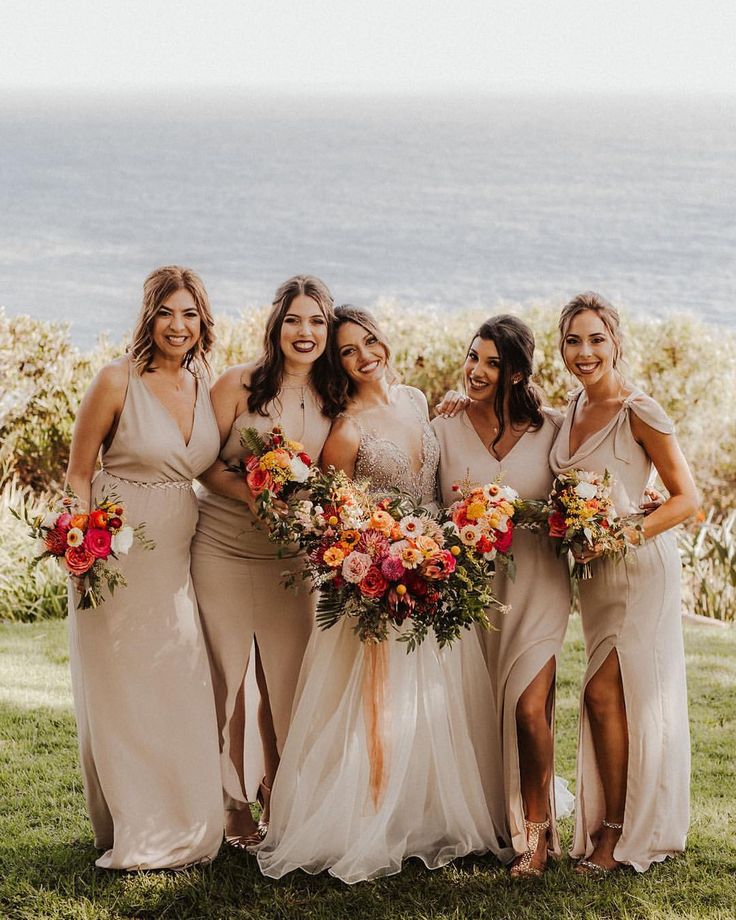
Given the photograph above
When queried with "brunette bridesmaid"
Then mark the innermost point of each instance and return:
(236, 569)
(141, 681)
(634, 749)
(504, 431)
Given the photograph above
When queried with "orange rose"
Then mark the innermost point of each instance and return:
(79, 560)
(80, 521)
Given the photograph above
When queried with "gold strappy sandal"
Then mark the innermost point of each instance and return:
(588, 867)
(524, 868)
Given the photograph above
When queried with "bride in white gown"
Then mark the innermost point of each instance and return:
(434, 779)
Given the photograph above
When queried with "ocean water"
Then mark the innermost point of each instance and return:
(446, 201)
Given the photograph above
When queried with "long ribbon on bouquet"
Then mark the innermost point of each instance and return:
(374, 686)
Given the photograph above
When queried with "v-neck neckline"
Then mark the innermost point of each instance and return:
(488, 450)
(594, 434)
(185, 441)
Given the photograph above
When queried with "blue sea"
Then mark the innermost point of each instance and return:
(450, 201)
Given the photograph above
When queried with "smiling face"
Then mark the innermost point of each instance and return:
(303, 335)
(177, 325)
(362, 356)
(589, 349)
(482, 370)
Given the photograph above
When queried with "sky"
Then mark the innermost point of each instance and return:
(374, 46)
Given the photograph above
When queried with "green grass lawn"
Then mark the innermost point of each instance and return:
(47, 858)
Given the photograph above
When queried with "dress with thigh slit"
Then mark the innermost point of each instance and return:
(237, 572)
(632, 606)
(142, 689)
(532, 632)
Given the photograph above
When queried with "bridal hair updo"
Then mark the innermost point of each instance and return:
(160, 284)
(605, 311)
(267, 376)
(518, 399)
(347, 313)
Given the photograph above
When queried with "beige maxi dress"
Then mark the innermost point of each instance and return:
(533, 630)
(633, 606)
(140, 676)
(237, 576)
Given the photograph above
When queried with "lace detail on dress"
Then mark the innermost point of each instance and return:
(387, 466)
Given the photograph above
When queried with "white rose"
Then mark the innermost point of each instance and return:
(586, 490)
(299, 470)
(122, 541)
(509, 494)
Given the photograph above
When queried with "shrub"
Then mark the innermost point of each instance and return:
(708, 553)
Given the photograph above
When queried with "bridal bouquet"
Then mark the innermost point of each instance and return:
(387, 562)
(86, 543)
(275, 469)
(580, 516)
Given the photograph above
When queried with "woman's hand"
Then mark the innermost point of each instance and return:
(654, 500)
(587, 554)
(452, 402)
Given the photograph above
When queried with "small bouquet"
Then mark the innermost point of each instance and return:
(580, 516)
(276, 468)
(484, 520)
(387, 562)
(86, 543)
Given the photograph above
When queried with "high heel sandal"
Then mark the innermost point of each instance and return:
(588, 867)
(524, 868)
(263, 798)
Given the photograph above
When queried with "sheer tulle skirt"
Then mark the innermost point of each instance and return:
(379, 764)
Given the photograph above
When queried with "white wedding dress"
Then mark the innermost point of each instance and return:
(332, 805)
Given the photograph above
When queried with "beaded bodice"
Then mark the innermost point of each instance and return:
(387, 466)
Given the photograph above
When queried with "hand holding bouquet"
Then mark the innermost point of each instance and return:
(275, 469)
(86, 543)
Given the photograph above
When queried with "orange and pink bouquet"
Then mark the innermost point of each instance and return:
(276, 468)
(484, 518)
(87, 543)
(385, 563)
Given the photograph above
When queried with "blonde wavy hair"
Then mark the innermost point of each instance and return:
(160, 284)
(604, 310)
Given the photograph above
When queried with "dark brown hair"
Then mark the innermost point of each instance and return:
(160, 284)
(521, 402)
(266, 379)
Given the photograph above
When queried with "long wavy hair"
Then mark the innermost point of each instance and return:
(604, 310)
(160, 284)
(517, 403)
(267, 376)
(347, 313)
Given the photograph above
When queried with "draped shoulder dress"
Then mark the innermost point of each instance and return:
(237, 574)
(533, 630)
(633, 606)
(380, 764)
(141, 681)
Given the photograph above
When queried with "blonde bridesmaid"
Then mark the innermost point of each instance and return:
(236, 569)
(504, 431)
(634, 750)
(141, 681)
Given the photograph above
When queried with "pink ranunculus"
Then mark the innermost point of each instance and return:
(78, 559)
(64, 521)
(556, 524)
(393, 568)
(504, 539)
(440, 566)
(374, 584)
(98, 542)
(355, 567)
(259, 480)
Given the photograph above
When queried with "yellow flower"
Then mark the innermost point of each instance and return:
(333, 521)
(294, 446)
(382, 520)
(401, 590)
(333, 556)
(455, 550)
(475, 510)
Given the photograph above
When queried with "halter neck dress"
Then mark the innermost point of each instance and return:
(533, 630)
(237, 574)
(140, 676)
(633, 606)
(434, 795)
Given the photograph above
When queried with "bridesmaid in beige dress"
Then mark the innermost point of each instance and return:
(634, 749)
(505, 431)
(236, 568)
(142, 688)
